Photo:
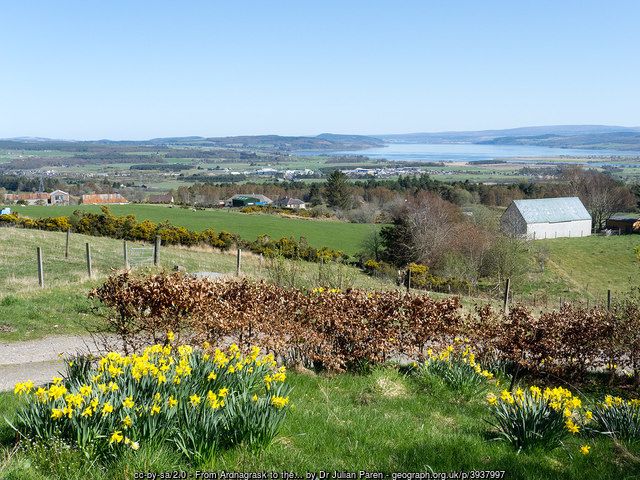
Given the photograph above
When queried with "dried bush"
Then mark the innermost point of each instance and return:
(326, 328)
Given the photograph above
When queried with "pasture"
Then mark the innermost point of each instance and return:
(319, 233)
(592, 265)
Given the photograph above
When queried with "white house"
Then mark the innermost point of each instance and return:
(547, 218)
(292, 203)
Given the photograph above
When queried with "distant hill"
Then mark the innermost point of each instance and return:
(626, 140)
(564, 136)
(325, 141)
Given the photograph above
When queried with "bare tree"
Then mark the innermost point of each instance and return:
(602, 195)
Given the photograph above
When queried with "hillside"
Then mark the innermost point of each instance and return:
(325, 141)
(613, 140)
(562, 136)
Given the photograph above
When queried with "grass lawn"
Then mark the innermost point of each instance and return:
(319, 233)
(381, 422)
(28, 311)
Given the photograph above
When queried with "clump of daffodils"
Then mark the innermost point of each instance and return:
(535, 417)
(457, 366)
(618, 418)
(219, 397)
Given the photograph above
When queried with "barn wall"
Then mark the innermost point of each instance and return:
(512, 222)
(576, 228)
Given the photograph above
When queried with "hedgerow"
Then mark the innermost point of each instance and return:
(324, 328)
(344, 329)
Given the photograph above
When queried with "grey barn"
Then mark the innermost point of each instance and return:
(547, 218)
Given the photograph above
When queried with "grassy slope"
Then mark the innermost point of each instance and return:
(592, 265)
(26, 311)
(379, 422)
(319, 233)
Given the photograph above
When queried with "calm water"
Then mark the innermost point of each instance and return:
(427, 152)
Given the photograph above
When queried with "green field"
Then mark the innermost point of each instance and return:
(593, 265)
(380, 422)
(27, 311)
(319, 233)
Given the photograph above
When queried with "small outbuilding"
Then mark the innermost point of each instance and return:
(542, 218)
(247, 200)
(624, 223)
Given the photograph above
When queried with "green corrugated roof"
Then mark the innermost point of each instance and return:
(552, 210)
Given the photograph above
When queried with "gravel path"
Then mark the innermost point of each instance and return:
(39, 360)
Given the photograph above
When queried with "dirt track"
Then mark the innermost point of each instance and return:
(39, 360)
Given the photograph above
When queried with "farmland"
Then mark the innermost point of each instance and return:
(319, 233)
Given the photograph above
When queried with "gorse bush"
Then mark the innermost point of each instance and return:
(618, 418)
(199, 400)
(532, 417)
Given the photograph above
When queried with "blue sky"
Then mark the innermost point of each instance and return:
(137, 69)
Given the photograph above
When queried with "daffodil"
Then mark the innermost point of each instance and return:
(116, 437)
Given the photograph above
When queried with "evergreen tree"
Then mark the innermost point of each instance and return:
(315, 196)
(337, 191)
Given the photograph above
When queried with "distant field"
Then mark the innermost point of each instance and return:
(319, 233)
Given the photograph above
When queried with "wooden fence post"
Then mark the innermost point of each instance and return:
(66, 245)
(88, 251)
(126, 255)
(40, 270)
(156, 251)
(238, 261)
(505, 303)
(408, 280)
(608, 300)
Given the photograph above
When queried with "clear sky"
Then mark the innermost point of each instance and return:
(140, 69)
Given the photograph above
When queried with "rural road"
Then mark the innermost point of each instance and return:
(39, 360)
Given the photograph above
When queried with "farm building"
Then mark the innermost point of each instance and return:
(103, 199)
(57, 197)
(293, 203)
(547, 218)
(624, 223)
(246, 200)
